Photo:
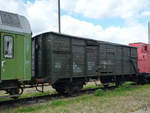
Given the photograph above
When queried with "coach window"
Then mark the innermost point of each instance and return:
(8, 46)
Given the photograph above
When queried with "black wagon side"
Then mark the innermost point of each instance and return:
(117, 63)
(67, 62)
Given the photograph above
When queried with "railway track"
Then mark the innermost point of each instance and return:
(46, 98)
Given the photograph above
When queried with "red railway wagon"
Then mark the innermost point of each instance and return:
(143, 56)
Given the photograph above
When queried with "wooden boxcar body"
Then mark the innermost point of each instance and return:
(59, 56)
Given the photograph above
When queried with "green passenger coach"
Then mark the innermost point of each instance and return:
(15, 49)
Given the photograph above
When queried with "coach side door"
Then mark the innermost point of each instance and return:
(7, 56)
(11, 56)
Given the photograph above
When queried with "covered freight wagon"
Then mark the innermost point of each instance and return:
(59, 58)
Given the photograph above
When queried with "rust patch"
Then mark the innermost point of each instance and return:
(39, 80)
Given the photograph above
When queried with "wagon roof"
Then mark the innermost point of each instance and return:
(82, 38)
(14, 22)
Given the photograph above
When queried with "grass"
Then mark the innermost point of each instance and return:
(26, 95)
(123, 99)
(99, 92)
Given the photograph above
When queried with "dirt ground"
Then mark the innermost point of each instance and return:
(143, 110)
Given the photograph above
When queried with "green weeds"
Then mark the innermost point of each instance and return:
(103, 99)
(99, 92)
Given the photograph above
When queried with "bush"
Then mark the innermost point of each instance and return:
(124, 86)
(99, 92)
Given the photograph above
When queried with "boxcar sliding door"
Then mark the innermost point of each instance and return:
(92, 58)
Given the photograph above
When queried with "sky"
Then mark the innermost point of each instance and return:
(118, 21)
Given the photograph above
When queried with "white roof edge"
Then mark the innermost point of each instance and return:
(24, 24)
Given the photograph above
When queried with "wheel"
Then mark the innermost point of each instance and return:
(67, 87)
(63, 88)
(15, 92)
(117, 83)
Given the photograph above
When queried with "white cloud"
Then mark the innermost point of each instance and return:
(76, 27)
(15, 6)
(106, 8)
(42, 15)
(146, 13)
(123, 35)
